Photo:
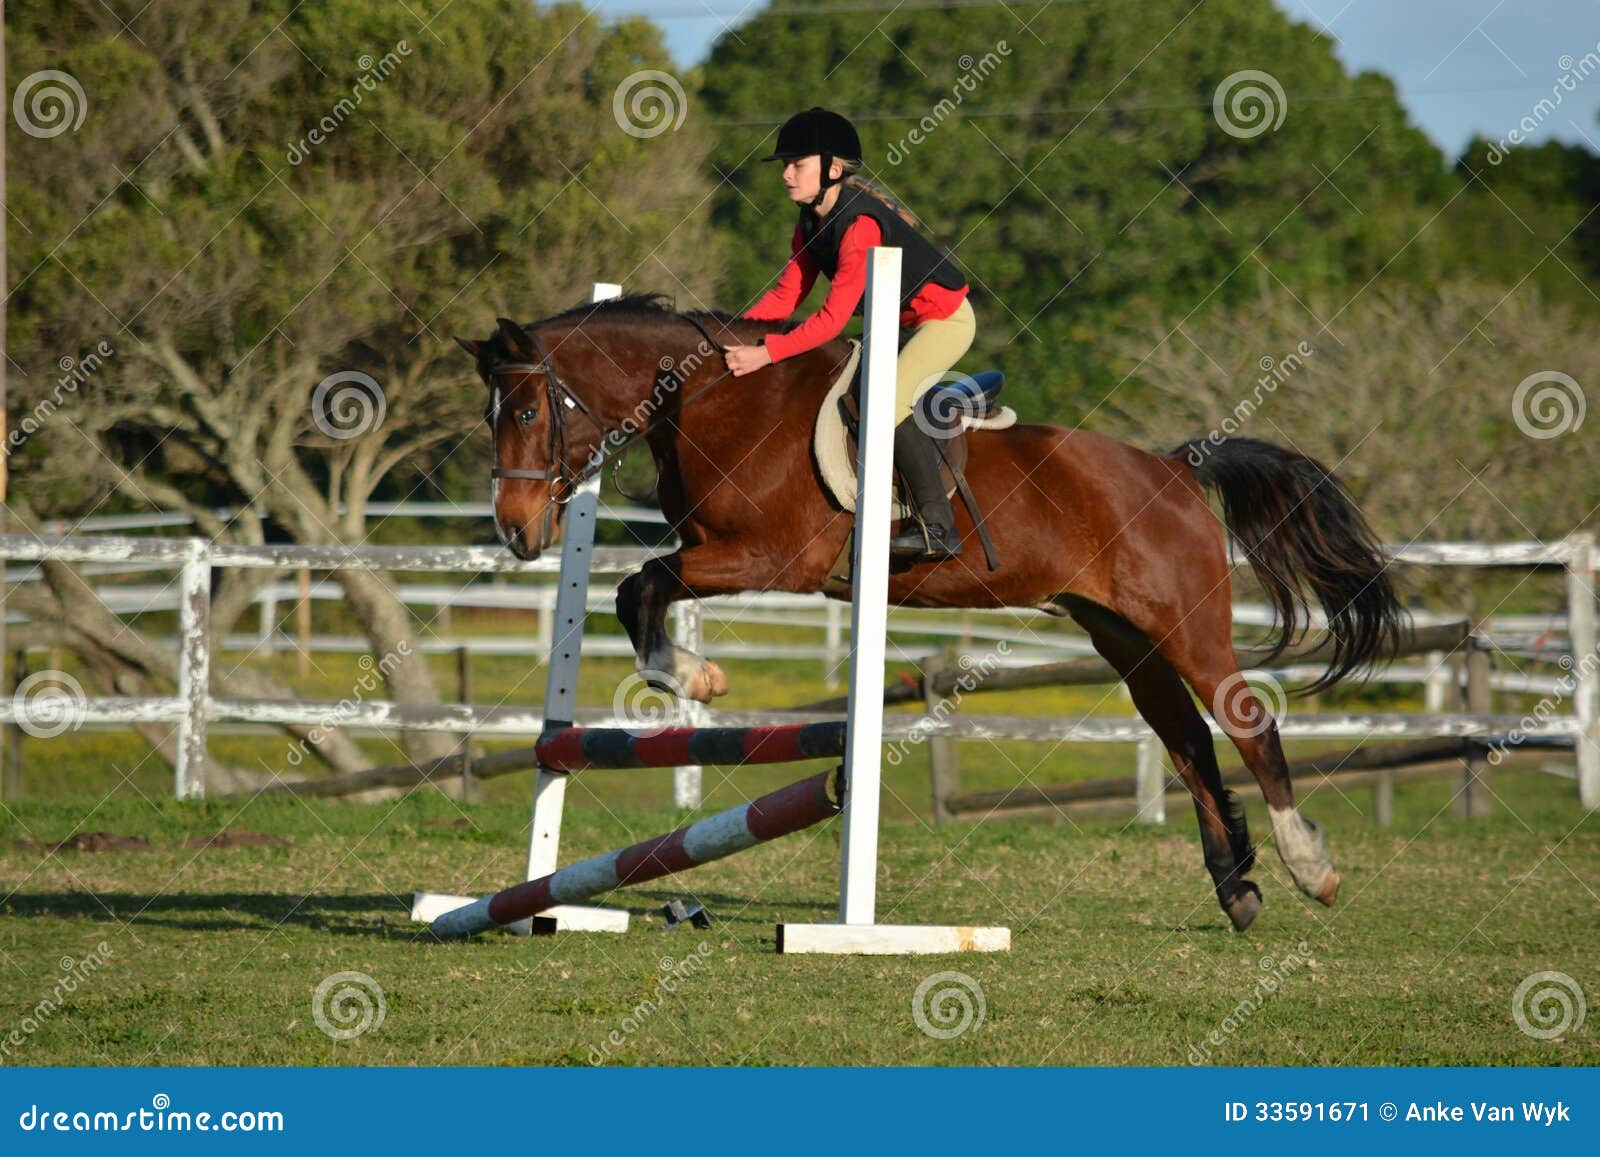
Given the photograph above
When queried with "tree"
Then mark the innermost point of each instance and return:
(1079, 166)
(274, 216)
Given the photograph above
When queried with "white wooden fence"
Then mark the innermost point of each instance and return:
(193, 707)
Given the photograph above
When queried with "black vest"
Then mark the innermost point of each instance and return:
(920, 262)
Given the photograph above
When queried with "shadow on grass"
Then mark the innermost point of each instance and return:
(342, 914)
(345, 914)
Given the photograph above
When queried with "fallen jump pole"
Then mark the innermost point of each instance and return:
(781, 813)
(581, 748)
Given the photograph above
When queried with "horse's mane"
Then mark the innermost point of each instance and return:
(645, 305)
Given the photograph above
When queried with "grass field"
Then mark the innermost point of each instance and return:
(1120, 954)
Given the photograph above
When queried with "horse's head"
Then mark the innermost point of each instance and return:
(566, 389)
(533, 471)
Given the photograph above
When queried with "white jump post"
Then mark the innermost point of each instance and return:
(857, 932)
(687, 633)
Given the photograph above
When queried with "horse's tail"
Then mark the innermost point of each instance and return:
(1300, 528)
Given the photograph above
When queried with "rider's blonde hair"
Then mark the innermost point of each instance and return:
(851, 180)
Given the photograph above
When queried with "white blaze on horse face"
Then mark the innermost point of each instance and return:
(494, 444)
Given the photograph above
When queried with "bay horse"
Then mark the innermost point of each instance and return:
(1121, 540)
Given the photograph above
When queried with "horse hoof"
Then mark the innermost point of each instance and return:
(708, 683)
(1330, 890)
(715, 679)
(1243, 908)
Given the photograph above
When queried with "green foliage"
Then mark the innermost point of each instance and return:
(266, 193)
(1079, 173)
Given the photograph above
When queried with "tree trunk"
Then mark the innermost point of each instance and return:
(387, 624)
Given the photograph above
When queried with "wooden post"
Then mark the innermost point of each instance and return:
(1383, 798)
(944, 762)
(1585, 677)
(303, 624)
(267, 627)
(13, 768)
(469, 786)
(1150, 774)
(1474, 800)
(194, 671)
(1436, 691)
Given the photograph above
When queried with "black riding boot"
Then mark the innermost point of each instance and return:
(916, 457)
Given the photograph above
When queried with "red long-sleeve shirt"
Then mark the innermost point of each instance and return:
(931, 302)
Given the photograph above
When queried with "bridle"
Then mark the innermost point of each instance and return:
(560, 398)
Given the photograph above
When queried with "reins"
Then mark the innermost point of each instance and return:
(561, 397)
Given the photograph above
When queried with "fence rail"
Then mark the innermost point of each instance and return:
(193, 707)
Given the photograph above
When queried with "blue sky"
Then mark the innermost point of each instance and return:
(1462, 66)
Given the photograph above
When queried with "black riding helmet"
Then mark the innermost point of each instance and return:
(819, 131)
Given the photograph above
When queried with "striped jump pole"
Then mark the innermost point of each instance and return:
(780, 813)
(582, 748)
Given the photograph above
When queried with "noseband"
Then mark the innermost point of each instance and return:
(560, 398)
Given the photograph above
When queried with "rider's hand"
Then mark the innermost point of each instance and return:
(747, 359)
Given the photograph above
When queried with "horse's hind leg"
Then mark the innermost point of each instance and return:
(1239, 712)
(1165, 704)
(1201, 650)
(642, 602)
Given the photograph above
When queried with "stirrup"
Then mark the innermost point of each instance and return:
(925, 542)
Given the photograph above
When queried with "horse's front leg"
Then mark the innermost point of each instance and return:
(642, 602)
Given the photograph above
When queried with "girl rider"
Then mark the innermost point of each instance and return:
(841, 217)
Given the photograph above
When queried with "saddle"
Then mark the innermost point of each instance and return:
(952, 408)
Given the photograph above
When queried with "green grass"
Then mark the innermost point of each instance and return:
(1120, 954)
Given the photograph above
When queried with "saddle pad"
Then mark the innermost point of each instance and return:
(831, 442)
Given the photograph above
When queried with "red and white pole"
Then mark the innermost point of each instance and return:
(780, 813)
